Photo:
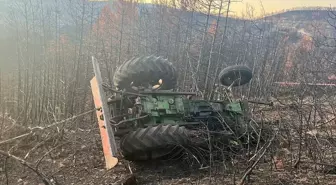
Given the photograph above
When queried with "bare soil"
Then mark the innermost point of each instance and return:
(72, 154)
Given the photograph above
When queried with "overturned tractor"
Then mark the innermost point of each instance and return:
(153, 121)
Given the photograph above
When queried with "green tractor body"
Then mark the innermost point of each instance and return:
(152, 122)
(178, 109)
(164, 108)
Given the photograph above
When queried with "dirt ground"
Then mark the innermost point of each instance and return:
(71, 154)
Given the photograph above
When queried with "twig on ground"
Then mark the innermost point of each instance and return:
(39, 161)
(15, 138)
(46, 180)
(249, 170)
(36, 146)
(43, 128)
(256, 153)
(63, 121)
(324, 123)
(6, 170)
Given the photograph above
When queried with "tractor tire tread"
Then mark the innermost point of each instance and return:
(152, 138)
(145, 70)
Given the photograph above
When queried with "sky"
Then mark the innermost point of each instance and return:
(270, 6)
(278, 5)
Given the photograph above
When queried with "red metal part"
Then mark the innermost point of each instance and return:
(310, 84)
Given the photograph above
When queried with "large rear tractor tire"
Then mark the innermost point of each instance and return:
(235, 75)
(144, 72)
(153, 142)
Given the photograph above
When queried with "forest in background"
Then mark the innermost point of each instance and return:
(47, 46)
(46, 54)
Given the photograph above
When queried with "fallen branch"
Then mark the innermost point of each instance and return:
(17, 137)
(6, 171)
(42, 176)
(63, 121)
(43, 128)
(249, 170)
(36, 146)
(39, 161)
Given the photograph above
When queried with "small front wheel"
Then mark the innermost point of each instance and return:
(235, 75)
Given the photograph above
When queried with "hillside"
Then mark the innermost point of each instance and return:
(301, 15)
(49, 109)
(293, 20)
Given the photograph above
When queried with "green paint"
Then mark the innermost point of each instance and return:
(176, 109)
